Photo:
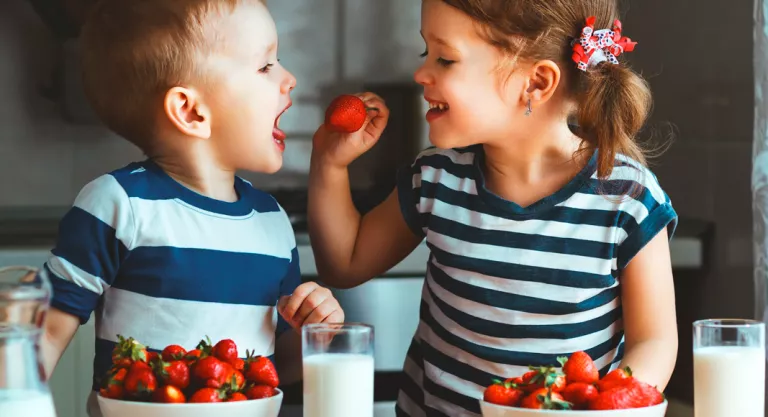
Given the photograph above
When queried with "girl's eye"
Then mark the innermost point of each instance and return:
(441, 61)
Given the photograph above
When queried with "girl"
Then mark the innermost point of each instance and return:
(545, 238)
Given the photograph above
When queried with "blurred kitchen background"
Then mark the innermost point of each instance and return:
(697, 54)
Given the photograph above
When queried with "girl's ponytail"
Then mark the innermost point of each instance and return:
(613, 104)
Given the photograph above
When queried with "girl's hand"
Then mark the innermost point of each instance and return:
(338, 149)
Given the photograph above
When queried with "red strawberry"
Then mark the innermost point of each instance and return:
(635, 394)
(615, 378)
(212, 372)
(113, 385)
(127, 351)
(169, 394)
(542, 377)
(516, 380)
(226, 350)
(346, 114)
(208, 395)
(152, 356)
(261, 370)
(193, 356)
(580, 394)
(238, 364)
(257, 392)
(237, 396)
(543, 399)
(173, 353)
(140, 382)
(580, 368)
(174, 373)
(503, 393)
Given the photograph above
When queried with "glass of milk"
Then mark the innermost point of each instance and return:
(24, 299)
(729, 368)
(338, 370)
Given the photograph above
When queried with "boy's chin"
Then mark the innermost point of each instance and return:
(271, 166)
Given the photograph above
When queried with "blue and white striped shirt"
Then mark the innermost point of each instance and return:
(510, 286)
(158, 262)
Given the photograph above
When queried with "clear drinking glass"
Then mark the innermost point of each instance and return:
(338, 370)
(729, 368)
(24, 299)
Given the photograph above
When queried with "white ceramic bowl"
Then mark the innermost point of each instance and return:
(493, 410)
(267, 407)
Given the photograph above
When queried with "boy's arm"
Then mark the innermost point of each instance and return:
(60, 328)
(93, 241)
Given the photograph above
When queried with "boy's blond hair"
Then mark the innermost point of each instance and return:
(133, 51)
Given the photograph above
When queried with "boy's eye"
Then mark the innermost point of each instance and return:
(265, 69)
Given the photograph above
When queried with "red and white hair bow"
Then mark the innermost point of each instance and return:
(596, 46)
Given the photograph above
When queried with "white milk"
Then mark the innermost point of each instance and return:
(17, 403)
(338, 385)
(729, 382)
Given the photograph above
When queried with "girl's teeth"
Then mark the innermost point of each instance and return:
(439, 106)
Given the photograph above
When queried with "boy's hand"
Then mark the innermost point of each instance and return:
(310, 303)
(341, 149)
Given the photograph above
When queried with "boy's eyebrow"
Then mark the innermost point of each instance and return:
(440, 41)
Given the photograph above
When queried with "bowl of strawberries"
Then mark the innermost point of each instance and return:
(576, 389)
(210, 379)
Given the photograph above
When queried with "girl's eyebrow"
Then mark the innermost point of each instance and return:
(437, 40)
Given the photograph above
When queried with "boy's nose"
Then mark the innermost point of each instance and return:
(290, 83)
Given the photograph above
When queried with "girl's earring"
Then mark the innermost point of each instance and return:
(529, 110)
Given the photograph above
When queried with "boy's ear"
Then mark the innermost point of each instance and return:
(185, 109)
(543, 80)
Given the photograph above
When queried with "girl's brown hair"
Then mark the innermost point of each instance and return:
(613, 101)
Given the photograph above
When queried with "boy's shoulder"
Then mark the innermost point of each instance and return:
(144, 180)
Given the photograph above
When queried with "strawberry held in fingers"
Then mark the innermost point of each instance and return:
(346, 114)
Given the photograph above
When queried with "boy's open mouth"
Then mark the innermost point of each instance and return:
(278, 134)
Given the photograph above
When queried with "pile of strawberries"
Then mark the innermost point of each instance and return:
(577, 386)
(207, 374)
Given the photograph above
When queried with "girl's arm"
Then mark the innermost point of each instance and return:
(648, 302)
(349, 248)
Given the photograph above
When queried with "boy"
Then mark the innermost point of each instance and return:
(177, 247)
